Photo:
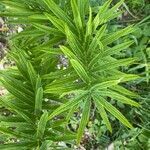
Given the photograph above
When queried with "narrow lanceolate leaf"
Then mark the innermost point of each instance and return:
(59, 24)
(42, 125)
(18, 85)
(104, 85)
(83, 6)
(38, 100)
(76, 14)
(116, 113)
(28, 33)
(123, 91)
(74, 42)
(119, 97)
(46, 29)
(16, 109)
(16, 146)
(115, 49)
(32, 74)
(89, 26)
(114, 64)
(80, 70)
(63, 88)
(114, 8)
(58, 138)
(45, 145)
(38, 82)
(67, 105)
(111, 16)
(97, 38)
(68, 52)
(39, 17)
(114, 36)
(72, 110)
(20, 61)
(59, 12)
(112, 13)
(103, 113)
(51, 51)
(24, 98)
(99, 17)
(84, 119)
(10, 132)
(13, 4)
(129, 77)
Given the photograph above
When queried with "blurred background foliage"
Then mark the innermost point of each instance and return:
(97, 136)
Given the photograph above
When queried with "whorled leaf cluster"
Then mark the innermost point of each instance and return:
(43, 97)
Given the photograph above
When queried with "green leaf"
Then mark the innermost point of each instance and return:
(18, 110)
(21, 62)
(13, 4)
(97, 38)
(17, 146)
(45, 145)
(66, 138)
(119, 97)
(84, 119)
(68, 53)
(115, 7)
(115, 49)
(17, 84)
(64, 80)
(72, 110)
(50, 51)
(59, 12)
(21, 96)
(59, 89)
(17, 134)
(83, 6)
(46, 29)
(114, 64)
(129, 77)
(29, 33)
(80, 70)
(67, 105)
(103, 114)
(76, 14)
(89, 26)
(98, 20)
(116, 113)
(114, 36)
(39, 17)
(74, 42)
(56, 22)
(42, 125)
(57, 123)
(38, 100)
(123, 91)
(32, 74)
(58, 74)
(105, 85)
(112, 13)
(38, 82)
